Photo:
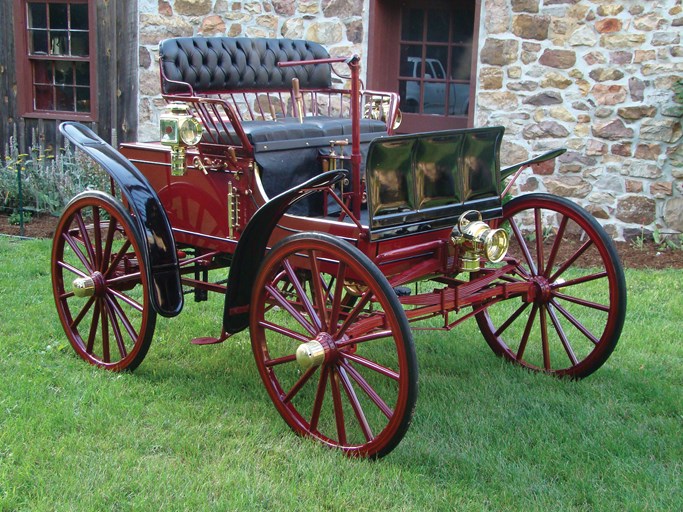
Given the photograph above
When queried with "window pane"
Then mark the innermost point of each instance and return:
(65, 99)
(459, 99)
(411, 24)
(37, 15)
(58, 16)
(437, 26)
(42, 72)
(37, 42)
(43, 98)
(409, 90)
(79, 44)
(437, 58)
(463, 27)
(64, 73)
(58, 42)
(411, 60)
(461, 62)
(82, 99)
(434, 98)
(82, 73)
(79, 16)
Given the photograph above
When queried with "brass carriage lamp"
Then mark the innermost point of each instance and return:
(477, 239)
(179, 129)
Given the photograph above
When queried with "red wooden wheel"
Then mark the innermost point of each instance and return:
(100, 284)
(571, 320)
(333, 345)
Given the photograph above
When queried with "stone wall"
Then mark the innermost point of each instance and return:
(337, 24)
(595, 77)
(591, 75)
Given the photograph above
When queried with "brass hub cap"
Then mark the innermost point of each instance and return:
(317, 351)
(89, 286)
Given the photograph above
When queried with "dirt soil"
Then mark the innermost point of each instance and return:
(648, 255)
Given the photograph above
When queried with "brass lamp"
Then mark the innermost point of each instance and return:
(178, 130)
(476, 239)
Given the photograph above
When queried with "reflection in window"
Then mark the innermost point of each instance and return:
(435, 60)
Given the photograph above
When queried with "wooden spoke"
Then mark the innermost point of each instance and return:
(113, 327)
(592, 302)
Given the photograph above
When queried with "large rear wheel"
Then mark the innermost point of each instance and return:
(571, 318)
(333, 345)
(99, 282)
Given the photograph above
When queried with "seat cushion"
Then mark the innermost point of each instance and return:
(269, 131)
(289, 128)
(335, 126)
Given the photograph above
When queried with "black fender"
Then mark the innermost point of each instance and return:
(154, 229)
(251, 248)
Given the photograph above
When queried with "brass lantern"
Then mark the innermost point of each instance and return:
(179, 129)
(476, 239)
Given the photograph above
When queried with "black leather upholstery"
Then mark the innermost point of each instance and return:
(290, 128)
(334, 126)
(210, 65)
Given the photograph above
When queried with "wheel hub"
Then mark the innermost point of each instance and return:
(315, 352)
(88, 286)
(543, 289)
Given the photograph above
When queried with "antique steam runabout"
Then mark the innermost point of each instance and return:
(328, 236)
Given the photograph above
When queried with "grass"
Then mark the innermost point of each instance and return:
(193, 429)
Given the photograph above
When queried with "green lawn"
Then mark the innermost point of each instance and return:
(193, 429)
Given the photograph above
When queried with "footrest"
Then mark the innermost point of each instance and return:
(209, 340)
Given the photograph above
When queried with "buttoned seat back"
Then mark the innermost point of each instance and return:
(215, 65)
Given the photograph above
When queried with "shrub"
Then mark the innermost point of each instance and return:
(49, 179)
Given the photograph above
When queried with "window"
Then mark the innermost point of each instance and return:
(423, 49)
(435, 61)
(54, 57)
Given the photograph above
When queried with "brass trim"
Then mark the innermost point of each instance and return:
(83, 287)
(310, 354)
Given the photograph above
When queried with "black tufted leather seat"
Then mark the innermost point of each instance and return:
(205, 66)
(211, 65)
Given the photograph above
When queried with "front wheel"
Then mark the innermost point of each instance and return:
(333, 345)
(100, 285)
(570, 319)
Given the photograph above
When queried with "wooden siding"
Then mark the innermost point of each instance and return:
(115, 83)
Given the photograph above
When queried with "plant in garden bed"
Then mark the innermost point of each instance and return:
(665, 241)
(48, 179)
(16, 218)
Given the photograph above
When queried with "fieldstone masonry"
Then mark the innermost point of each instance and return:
(593, 76)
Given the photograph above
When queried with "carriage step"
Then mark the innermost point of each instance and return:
(209, 340)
